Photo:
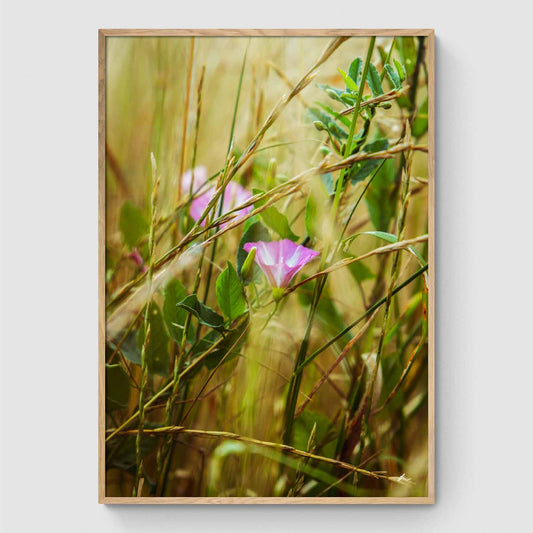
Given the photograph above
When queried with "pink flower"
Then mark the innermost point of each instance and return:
(234, 195)
(280, 260)
(135, 256)
(200, 177)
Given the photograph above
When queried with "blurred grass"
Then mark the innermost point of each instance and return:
(146, 91)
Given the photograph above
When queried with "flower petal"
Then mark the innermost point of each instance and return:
(200, 177)
(280, 260)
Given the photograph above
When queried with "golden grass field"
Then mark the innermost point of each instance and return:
(244, 418)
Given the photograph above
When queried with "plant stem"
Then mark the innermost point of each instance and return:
(349, 141)
(273, 445)
(387, 59)
(371, 309)
(394, 276)
(296, 378)
(146, 325)
(230, 146)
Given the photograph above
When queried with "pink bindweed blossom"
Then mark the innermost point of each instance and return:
(234, 195)
(200, 177)
(135, 256)
(280, 260)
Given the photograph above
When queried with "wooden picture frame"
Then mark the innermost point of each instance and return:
(107, 33)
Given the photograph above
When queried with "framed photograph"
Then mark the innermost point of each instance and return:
(266, 267)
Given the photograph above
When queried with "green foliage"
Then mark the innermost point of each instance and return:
(389, 237)
(173, 315)
(157, 356)
(309, 422)
(360, 271)
(130, 349)
(374, 81)
(230, 295)
(122, 453)
(310, 215)
(132, 224)
(226, 349)
(322, 121)
(216, 395)
(363, 169)
(407, 49)
(328, 183)
(350, 83)
(275, 220)
(202, 312)
(278, 222)
(327, 312)
(400, 70)
(254, 233)
(337, 116)
(393, 76)
(117, 387)
(380, 196)
(356, 70)
(420, 124)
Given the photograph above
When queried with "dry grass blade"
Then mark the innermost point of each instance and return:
(363, 156)
(345, 262)
(382, 98)
(337, 362)
(266, 444)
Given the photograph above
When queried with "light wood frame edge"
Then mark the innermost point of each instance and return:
(102, 34)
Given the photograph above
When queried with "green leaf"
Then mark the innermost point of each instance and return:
(382, 53)
(348, 98)
(328, 182)
(202, 312)
(374, 80)
(378, 145)
(275, 220)
(157, 354)
(389, 237)
(400, 69)
(363, 169)
(310, 215)
(407, 49)
(327, 313)
(337, 131)
(380, 196)
(350, 84)
(303, 427)
(254, 233)
(360, 271)
(129, 348)
(226, 350)
(393, 77)
(123, 452)
(132, 224)
(326, 123)
(173, 315)
(332, 92)
(117, 387)
(345, 120)
(420, 124)
(230, 296)
(355, 71)
(278, 223)
(318, 115)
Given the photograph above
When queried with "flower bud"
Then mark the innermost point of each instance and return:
(247, 266)
(272, 172)
(277, 293)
